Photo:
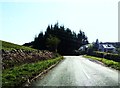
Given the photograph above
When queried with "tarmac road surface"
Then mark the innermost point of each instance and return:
(79, 71)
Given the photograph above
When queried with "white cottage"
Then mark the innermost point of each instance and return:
(106, 48)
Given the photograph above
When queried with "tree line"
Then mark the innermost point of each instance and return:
(59, 39)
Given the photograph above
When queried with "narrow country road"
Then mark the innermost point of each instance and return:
(78, 71)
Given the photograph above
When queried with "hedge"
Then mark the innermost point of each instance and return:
(109, 56)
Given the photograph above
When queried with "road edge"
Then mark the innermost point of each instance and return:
(29, 81)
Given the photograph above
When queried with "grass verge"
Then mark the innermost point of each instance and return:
(109, 63)
(11, 46)
(16, 76)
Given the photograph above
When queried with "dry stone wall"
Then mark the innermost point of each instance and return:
(16, 57)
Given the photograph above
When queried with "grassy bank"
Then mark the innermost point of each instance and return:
(10, 46)
(16, 55)
(18, 75)
(109, 63)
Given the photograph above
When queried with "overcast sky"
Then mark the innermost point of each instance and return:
(22, 20)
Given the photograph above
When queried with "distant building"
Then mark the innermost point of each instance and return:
(83, 48)
(106, 48)
(102, 47)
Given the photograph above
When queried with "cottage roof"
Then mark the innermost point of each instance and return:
(110, 46)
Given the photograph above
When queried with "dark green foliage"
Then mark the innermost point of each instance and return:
(52, 43)
(118, 50)
(96, 45)
(39, 42)
(69, 41)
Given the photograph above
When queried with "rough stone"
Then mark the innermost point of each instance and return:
(21, 56)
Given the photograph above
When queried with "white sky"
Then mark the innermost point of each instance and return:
(23, 19)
